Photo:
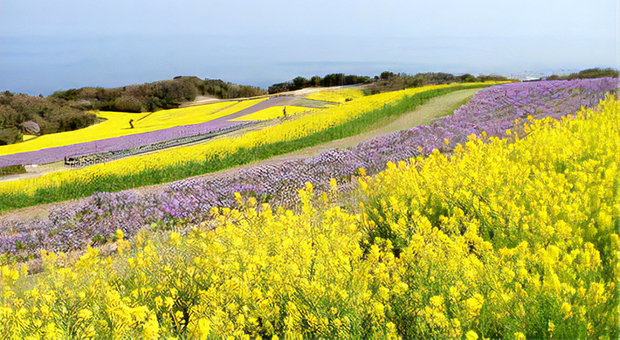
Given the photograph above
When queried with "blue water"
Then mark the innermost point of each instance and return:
(43, 64)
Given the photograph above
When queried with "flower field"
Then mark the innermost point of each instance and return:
(116, 124)
(115, 134)
(73, 226)
(114, 144)
(336, 96)
(504, 238)
(272, 112)
(344, 120)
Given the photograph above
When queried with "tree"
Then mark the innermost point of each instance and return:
(385, 75)
(315, 81)
(466, 78)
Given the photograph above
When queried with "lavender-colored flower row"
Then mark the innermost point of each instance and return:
(73, 226)
(114, 144)
(492, 110)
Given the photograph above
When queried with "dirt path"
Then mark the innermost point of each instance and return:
(435, 108)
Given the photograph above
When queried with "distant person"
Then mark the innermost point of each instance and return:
(131, 123)
(284, 111)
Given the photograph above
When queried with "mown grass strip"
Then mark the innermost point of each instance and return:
(363, 123)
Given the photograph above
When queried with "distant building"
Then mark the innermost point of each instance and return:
(530, 79)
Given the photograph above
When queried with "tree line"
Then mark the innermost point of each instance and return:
(386, 81)
(154, 96)
(334, 79)
(586, 74)
(390, 81)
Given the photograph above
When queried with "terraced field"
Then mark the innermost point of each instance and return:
(280, 181)
(499, 221)
(332, 123)
(115, 132)
(435, 108)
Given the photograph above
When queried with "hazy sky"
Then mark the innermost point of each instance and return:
(51, 45)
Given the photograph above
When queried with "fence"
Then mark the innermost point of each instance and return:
(92, 159)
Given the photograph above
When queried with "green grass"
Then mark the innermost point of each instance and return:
(363, 123)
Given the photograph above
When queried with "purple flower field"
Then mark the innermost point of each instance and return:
(76, 225)
(131, 141)
(114, 144)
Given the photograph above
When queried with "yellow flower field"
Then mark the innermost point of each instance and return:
(289, 130)
(116, 124)
(503, 239)
(336, 96)
(273, 112)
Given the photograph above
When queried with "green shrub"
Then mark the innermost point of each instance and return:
(10, 135)
(12, 170)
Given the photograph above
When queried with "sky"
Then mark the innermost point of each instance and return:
(47, 46)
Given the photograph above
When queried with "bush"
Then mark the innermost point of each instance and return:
(70, 121)
(385, 75)
(466, 78)
(10, 135)
(587, 74)
(9, 116)
(12, 170)
(594, 73)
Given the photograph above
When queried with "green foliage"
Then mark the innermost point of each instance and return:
(466, 78)
(10, 135)
(226, 90)
(385, 75)
(12, 170)
(586, 74)
(52, 114)
(334, 79)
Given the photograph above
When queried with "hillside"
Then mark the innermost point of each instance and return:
(68, 110)
(434, 246)
(336, 122)
(492, 112)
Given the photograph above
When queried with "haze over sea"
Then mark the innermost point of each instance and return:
(47, 46)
